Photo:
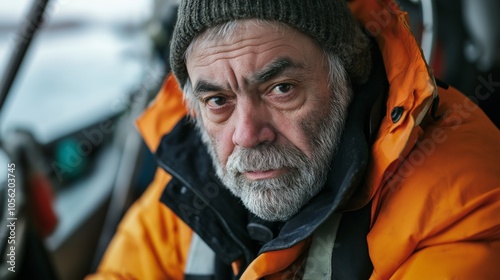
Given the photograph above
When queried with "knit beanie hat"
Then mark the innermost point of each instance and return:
(329, 22)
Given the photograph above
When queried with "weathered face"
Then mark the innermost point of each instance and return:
(269, 114)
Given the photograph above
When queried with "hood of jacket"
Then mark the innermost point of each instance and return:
(412, 88)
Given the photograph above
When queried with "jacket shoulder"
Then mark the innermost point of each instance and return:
(446, 191)
(151, 241)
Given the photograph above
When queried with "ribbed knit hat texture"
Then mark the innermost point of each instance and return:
(329, 22)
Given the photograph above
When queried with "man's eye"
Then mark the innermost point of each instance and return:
(216, 101)
(282, 88)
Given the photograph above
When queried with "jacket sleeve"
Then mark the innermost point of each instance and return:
(150, 243)
(439, 244)
(438, 217)
(461, 260)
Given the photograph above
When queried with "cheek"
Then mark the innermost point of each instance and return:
(302, 135)
(291, 132)
(221, 141)
(310, 127)
(307, 129)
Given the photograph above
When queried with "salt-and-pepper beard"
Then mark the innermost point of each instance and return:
(279, 198)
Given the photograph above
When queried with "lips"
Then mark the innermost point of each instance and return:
(264, 174)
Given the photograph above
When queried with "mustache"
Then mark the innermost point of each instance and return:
(265, 157)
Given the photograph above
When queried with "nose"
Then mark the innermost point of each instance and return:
(252, 126)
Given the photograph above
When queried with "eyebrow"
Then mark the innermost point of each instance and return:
(203, 86)
(275, 69)
(271, 71)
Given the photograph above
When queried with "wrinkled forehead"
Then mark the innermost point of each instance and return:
(247, 47)
(231, 30)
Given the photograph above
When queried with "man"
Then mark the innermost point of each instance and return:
(317, 146)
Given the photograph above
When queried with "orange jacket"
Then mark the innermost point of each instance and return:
(434, 184)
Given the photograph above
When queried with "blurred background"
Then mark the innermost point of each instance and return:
(68, 125)
(93, 66)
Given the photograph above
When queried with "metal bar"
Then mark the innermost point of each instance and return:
(23, 38)
(430, 29)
